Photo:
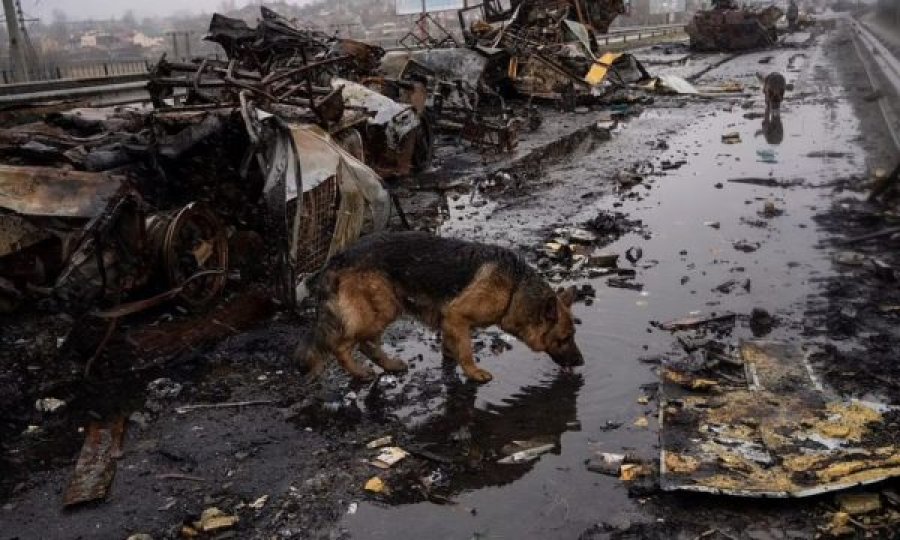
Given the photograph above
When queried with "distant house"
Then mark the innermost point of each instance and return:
(88, 40)
(143, 40)
(98, 40)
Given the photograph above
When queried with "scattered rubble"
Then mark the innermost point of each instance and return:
(211, 520)
(769, 432)
(606, 463)
(379, 442)
(694, 321)
(49, 405)
(525, 451)
(376, 485)
(388, 456)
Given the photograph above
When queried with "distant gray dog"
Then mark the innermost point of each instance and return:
(773, 88)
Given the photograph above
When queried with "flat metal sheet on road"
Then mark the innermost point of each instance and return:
(767, 429)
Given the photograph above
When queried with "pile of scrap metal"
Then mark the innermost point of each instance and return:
(76, 228)
(541, 21)
(535, 49)
(728, 27)
(459, 89)
(108, 212)
(553, 53)
(299, 76)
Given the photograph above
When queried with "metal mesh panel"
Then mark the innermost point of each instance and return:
(319, 215)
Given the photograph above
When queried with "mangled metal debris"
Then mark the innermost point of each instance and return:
(50, 192)
(728, 27)
(534, 50)
(552, 21)
(766, 428)
(84, 237)
(97, 212)
(390, 128)
(96, 465)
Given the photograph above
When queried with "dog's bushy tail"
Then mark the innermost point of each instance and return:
(314, 348)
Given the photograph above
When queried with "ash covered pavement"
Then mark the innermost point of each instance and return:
(697, 236)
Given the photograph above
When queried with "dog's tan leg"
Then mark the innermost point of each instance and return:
(344, 354)
(372, 349)
(481, 304)
(457, 335)
(367, 306)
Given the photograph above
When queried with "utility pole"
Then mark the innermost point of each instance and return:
(175, 45)
(187, 44)
(30, 54)
(17, 52)
(348, 26)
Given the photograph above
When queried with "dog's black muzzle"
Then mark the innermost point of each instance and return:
(568, 356)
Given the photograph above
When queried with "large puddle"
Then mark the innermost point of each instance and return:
(684, 260)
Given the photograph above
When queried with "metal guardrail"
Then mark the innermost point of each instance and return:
(639, 32)
(78, 70)
(889, 65)
(61, 85)
(98, 95)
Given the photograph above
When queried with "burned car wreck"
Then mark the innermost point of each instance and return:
(109, 212)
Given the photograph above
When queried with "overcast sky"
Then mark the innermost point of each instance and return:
(103, 9)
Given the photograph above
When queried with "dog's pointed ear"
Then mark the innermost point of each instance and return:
(567, 296)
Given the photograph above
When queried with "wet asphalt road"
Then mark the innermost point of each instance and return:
(244, 454)
(558, 498)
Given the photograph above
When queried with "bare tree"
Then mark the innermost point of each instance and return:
(59, 28)
(128, 19)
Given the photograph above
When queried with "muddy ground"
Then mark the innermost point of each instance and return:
(706, 245)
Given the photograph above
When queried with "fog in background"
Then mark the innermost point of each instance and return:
(105, 9)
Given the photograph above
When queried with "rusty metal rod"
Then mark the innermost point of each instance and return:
(276, 76)
(192, 67)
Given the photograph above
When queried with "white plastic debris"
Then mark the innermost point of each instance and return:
(389, 456)
(379, 442)
(49, 405)
(606, 463)
(529, 454)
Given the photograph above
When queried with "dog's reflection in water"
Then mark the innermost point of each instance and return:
(465, 441)
(772, 130)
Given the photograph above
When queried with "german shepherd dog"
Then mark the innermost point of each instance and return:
(450, 285)
(773, 89)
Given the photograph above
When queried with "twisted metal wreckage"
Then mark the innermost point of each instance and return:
(103, 206)
(108, 212)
